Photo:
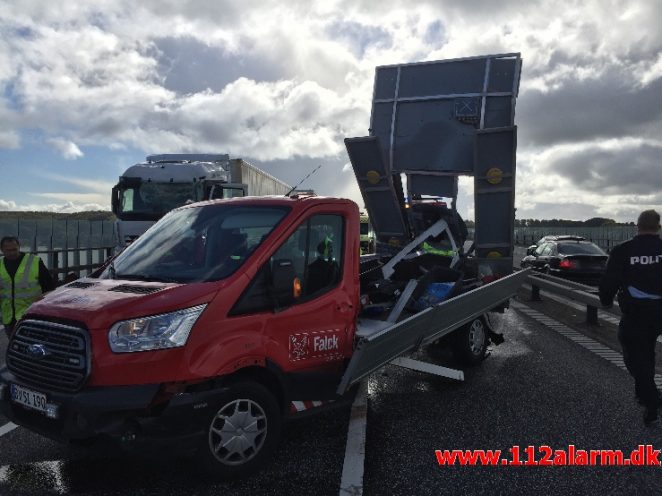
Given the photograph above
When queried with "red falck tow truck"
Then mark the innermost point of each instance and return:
(224, 316)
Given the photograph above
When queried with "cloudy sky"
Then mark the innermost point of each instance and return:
(89, 88)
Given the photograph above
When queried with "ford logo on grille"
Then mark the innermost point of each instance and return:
(37, 351)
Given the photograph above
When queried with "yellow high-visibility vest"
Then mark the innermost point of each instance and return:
(18, 294)
(428, 248)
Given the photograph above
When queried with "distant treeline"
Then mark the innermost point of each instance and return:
(592, 222)
(91, 216)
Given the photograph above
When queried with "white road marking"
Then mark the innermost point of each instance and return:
(590, 344)
(352, 470)
(7, 428)
(606, 316)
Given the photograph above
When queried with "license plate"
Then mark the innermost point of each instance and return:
(28, 398)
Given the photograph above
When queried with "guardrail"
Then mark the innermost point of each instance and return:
(74, 260)
(575, 291)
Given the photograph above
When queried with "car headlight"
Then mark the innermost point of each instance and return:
(157, 332)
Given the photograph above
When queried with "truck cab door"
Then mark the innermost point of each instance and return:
(310, 334)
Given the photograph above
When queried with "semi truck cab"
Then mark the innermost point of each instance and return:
(147, 191)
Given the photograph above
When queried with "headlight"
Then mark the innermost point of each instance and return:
(168, 330)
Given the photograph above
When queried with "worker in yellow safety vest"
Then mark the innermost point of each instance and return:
(428, 248)
(23, 279)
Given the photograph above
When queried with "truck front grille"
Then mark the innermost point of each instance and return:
(49, 355)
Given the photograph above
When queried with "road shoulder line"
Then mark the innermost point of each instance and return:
(584, 341)
(353, 466)
(5, 429)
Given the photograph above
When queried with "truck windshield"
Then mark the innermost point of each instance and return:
(197, 244)
(151, 200)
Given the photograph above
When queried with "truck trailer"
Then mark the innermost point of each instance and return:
(148, 190)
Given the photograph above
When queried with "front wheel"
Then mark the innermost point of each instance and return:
(243, 433)
(470, 342)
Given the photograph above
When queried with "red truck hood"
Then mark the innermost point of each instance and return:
(99, 303)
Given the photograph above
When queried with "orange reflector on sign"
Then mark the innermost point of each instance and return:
(494, 175)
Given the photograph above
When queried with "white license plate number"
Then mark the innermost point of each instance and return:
(28, 398)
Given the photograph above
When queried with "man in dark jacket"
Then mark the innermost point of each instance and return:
(23, 278)
(634, 271)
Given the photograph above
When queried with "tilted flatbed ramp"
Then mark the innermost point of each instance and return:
(376, 349)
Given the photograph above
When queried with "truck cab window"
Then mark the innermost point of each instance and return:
(127, 200)
(324, 254)
(233, 192)
(316, 252)
(198, 244)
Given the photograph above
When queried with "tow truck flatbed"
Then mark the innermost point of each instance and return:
(380, 342)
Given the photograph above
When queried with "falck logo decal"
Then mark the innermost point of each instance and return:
(326, 344)
(298, 347)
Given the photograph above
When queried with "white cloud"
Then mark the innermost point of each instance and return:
(67, 149)
(73, 197)
(99, 187)
(7, 205)
(170, 76)
(90, 195)
(66, 207)
(9, 139)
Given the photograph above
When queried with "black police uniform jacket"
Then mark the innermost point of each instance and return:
(635, 263)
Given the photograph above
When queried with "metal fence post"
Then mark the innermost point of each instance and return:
(65, 252)
(56, 264)
(535, 293)
(591, 314)
(77, 250)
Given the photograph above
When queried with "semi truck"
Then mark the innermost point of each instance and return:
(230, 316)
(146, 191)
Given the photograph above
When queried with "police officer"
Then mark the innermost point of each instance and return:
(23, 278)
(634, 271)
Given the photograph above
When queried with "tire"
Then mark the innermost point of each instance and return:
(243, 432)
(470, 342)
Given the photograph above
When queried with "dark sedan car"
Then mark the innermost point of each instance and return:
(574, 259)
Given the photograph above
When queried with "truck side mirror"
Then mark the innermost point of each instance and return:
(531, 249)
(115, 200)
(285, 285)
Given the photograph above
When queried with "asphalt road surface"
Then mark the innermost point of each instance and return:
(538, 388)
